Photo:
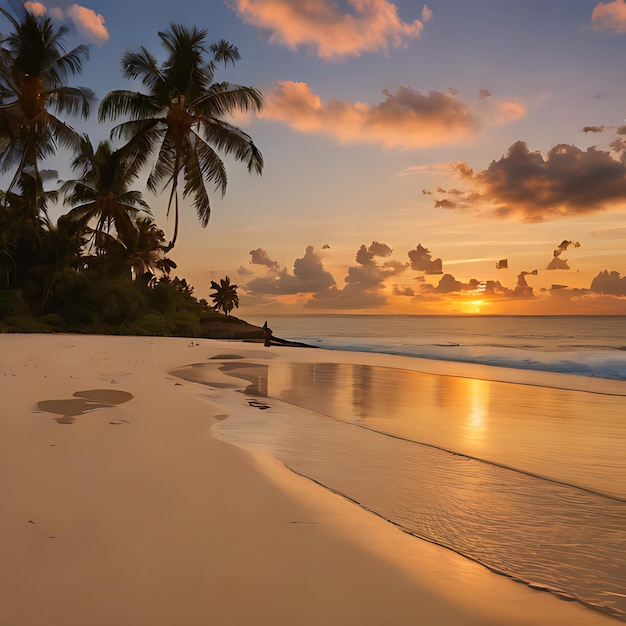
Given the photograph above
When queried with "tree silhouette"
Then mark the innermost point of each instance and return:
(181, 117)
(33, 69)
(225, 296)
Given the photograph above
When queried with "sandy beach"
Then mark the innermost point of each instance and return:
(121, 507)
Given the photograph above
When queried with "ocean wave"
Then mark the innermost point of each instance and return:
(609, 364)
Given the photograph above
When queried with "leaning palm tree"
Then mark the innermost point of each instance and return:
(34, 67)
(180, 118)
(225, 296)
(101, 192)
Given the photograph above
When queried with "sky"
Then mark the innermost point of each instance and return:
(455, 157)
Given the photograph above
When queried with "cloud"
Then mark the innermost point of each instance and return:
(422, 261)
(36, 8)
(557, 262)
(610, 16)
(496, 111)
(244, 271)
(449, 286)
(89, 23)
(260, 257)
(379, 249)
(406, 119)
(364, 282)
(321, 27)
(527, 186)
(593, 129)
(308, 276)
(86, 21)
(609, 283)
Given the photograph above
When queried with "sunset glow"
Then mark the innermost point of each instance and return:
(419, 157)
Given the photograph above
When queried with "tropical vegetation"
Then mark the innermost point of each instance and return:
(103, 265)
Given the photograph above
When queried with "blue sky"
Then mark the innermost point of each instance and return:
(408, 149)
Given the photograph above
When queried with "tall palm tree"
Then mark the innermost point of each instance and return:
(102, 192)
(181, 117)
(34, 67)
(225, 296)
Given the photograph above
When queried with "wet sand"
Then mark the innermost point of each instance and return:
(120, 506)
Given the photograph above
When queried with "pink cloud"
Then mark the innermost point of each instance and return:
(89, 23)
(610, 16)
(36, 8)
(496, 111)
(405, 119)
(330, 33)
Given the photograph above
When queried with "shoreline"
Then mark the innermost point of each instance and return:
(137, 514)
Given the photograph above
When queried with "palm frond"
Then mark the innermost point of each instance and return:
(194, 184)
(233, 141)
(226, 98)
(143, 65)
(71, 100)
(132, 104)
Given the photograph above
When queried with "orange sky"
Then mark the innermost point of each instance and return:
(409, 149)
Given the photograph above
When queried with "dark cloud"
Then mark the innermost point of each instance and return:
(448, 284)
(379, 249)
(484, 93)
(523, 289)
(403, 291)
(364, 281)
(422, 261)
(557, 262)
(593, 129)
(502, 264)
(260, 257)
(446, 204)
(308, 276)
(609, 283)
(524, 184)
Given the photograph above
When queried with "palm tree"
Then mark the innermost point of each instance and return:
(33, 69)
(225, 296)
(181, 117)
(102, 191)
(135, 253)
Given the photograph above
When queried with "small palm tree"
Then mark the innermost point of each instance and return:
(102, 192)
(225, 296)
(33, 69)
(135, 253)
(180, 118)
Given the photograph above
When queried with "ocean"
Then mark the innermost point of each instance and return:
(585, 345)
(527, 479)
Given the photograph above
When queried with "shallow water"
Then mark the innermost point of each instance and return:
(529, 481)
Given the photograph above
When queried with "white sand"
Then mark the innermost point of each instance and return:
(136, 515)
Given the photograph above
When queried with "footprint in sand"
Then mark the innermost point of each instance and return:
(258, 405)
(84, 402)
